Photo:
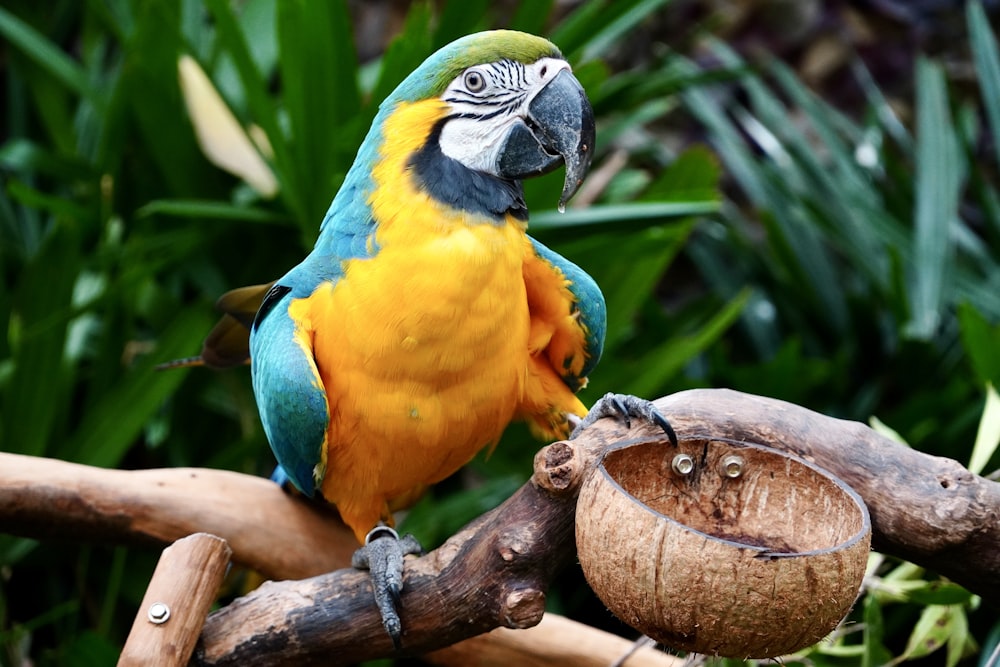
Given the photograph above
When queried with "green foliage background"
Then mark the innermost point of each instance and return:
(848, 262)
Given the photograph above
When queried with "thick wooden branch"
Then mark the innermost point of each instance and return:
(279, 536)
(494, 573)
(49, 499)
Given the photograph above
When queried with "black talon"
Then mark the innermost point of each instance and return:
(624, 407)
(382, 555)
(662, 422)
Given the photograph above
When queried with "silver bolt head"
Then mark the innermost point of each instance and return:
(158, 612)
(731, 466)
(682, 464)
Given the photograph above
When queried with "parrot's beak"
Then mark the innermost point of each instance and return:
(558, 128)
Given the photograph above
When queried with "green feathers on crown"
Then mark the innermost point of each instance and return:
(435, 73)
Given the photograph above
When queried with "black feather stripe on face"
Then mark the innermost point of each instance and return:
(453, 184)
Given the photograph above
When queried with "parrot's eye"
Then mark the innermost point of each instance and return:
(474, 81)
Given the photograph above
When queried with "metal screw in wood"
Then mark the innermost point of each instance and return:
(682, 464)
(158, 613)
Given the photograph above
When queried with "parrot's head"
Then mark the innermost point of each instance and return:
(511, 108)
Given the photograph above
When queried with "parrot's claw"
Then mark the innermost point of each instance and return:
(382, 556)
(624, 407)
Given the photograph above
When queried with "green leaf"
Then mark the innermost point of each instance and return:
(112, 425)
(404, 54)
(794, 237)
(618, 213)
(988, 435)
(931, 632)
(985, 53)
(262, 108)
(459, 18)
(42, 201)
(24, 156)
(667, 360)
(213, 210)
(532, 17)
(940, 172)
(693, 176)
(318, 67)
(939, 592)
(42, 309)
(875, 653)
(592, 28)
(48, 56)
(147, 96)
(981, 342)
(600, 42)
(627, 286)
(959, 639)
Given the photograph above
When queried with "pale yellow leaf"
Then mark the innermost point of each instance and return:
(221, 137)
(988, 435)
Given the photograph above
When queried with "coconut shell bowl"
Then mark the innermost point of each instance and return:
(722, 548)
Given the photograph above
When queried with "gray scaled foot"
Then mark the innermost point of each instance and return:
(382, 556)
(625, 407)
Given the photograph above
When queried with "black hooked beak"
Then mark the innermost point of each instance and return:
(559, 128)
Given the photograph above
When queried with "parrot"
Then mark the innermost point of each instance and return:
(426, 319)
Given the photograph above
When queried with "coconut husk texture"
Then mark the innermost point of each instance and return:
(720, 547)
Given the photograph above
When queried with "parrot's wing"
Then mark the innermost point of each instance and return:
(290, 395)
(577, 342)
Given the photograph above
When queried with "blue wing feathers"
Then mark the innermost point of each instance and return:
(290, 397)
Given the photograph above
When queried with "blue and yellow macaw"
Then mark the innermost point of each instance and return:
(425, 319)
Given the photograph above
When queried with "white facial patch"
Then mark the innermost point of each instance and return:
(486, 100)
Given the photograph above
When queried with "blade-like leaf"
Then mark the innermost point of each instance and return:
(981, 342)
(217, 210)
(113, 424)
(48, 56)
(532, 16)
(320, 96)
(985, 52)
(616, 213)
(404, 54)
(262, 108)
(939, 179)
(221, 137)
(42, 311)
(988, 435)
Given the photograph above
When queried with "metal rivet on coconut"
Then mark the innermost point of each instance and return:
(750, 553)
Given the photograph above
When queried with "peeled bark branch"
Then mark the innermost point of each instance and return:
(494, 573)
(268, 530)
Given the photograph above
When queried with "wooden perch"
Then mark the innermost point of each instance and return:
(49, 499)
(493, 573)
(182, 590)
(555, 642)
(926, 509)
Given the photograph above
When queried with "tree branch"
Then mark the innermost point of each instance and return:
(56, 500)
